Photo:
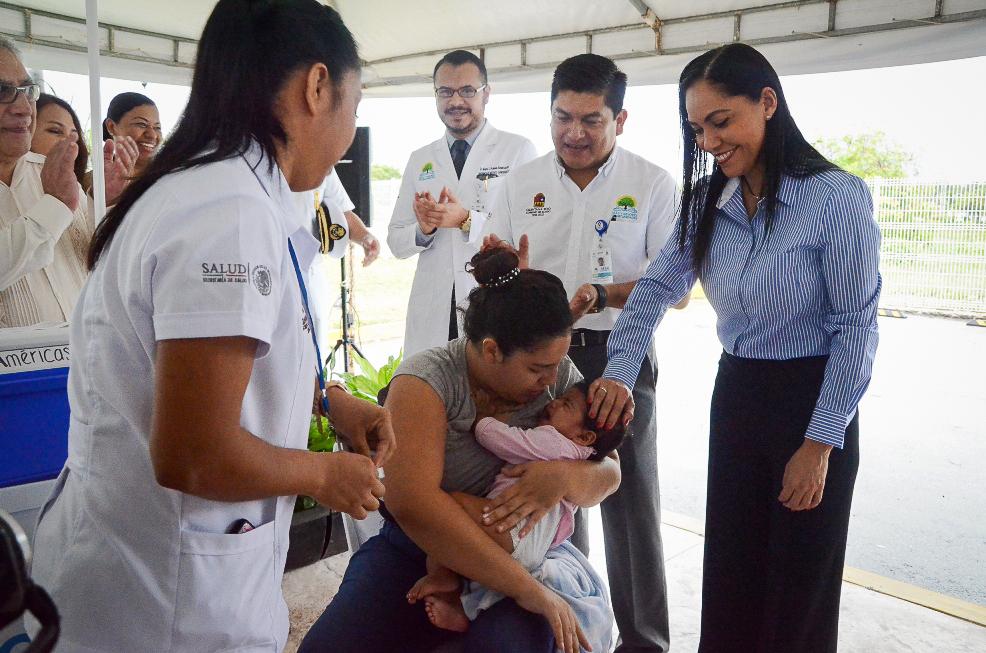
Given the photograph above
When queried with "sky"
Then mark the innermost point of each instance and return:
(929, 110)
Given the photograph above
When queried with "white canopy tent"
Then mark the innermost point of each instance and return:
(522, 40)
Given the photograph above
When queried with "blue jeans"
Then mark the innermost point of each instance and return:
(370, 613)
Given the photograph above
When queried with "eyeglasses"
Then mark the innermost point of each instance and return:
(8, 92)
(465, 92)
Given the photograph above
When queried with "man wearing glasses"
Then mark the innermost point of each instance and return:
(45, 221)
(447, 189)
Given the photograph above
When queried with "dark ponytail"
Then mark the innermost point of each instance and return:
(248, 51)
(737, 69)
(121, 105)
(519, 309)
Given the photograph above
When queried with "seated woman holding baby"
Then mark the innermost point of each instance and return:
(510, 366)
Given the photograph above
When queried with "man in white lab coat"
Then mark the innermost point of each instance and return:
(447, 189)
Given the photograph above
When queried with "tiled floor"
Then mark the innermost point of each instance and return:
(870, 623)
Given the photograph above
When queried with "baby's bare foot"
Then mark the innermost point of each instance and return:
(433, 584)
(443, 581)
(445, 611)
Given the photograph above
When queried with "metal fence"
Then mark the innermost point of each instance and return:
(933, 257)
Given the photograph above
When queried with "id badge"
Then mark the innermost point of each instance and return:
(602, 264)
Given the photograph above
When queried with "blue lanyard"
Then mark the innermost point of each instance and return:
(311, 328)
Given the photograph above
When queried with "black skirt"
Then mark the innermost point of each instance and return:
(772, 577)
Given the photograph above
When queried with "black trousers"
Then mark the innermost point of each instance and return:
(772, 577)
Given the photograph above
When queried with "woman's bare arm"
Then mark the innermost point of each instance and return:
(429, 515)
(541, 485)
(197, 445)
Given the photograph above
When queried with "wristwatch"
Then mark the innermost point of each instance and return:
(467, 223)
(601, 297)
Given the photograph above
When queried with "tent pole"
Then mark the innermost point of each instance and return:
(96, 113)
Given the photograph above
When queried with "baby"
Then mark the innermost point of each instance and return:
(565, 433)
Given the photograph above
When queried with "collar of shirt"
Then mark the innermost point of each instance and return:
(470, 139)
(288, 208)
(604, 169)
(785, 193)
(22, 166)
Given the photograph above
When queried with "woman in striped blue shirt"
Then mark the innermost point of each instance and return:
(786, 247)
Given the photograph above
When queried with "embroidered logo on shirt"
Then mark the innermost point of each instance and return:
(491, 172)
(626, 209)
(427, 172)
(261, 279)
(225, 272)
(538, 209)
(337, 232)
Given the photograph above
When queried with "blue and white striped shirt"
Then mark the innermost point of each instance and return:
(808, 288)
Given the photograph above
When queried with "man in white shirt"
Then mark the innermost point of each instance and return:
(447, 189)
(595, 216)
(45, 219)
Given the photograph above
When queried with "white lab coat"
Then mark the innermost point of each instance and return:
(133, 566)
(442, 257)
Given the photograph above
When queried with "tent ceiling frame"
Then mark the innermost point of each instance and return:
(113, 31)
(647, 16)
(648, 19)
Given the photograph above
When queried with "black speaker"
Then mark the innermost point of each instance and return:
(354, 173)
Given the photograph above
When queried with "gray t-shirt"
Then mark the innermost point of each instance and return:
(469, 467)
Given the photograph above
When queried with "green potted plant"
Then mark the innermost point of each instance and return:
(317, 532)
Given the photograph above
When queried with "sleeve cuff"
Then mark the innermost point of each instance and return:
(51, 214)
(622, 371)
(828, 427)
(174, 326)
(422, 239)
(482, 430)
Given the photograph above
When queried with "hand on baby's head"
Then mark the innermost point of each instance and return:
(568, 414)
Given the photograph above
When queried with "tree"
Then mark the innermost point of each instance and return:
(868, 155)
(378, 172)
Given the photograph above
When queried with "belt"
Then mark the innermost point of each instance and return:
(588, 337)
(386, 513)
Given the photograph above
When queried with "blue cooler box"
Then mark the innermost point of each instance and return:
(33, 417)
(33, 430)
(33, 404)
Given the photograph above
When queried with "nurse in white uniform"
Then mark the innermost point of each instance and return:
(193, 365)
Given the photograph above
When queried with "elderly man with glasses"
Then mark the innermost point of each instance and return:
(46, 221)
(447, 189)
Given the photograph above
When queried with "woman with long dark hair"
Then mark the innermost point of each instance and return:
(57, 121)
(787, 250)
(193, 359)
(511, 362)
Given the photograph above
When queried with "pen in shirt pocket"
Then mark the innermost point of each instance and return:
(239, 527)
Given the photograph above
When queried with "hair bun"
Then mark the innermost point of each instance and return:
(492, 264)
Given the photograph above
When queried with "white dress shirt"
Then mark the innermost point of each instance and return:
(43, 249)
(632, 195)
